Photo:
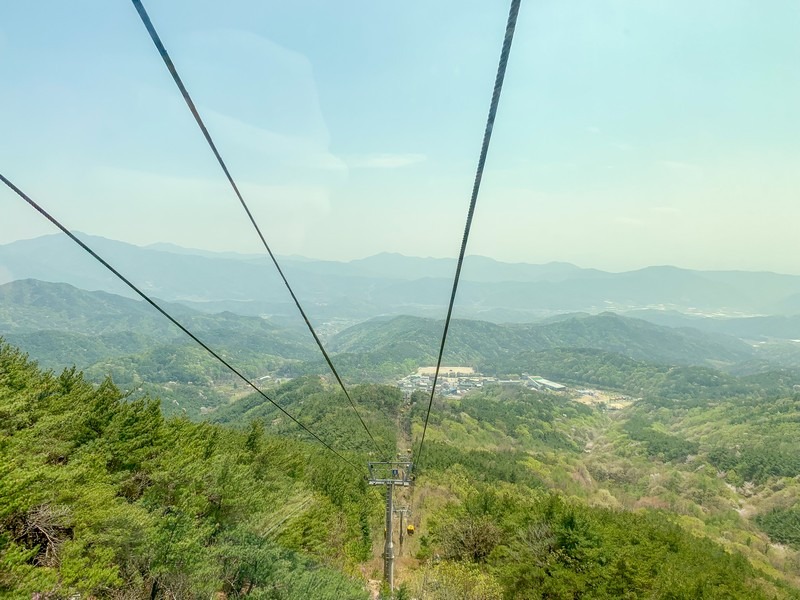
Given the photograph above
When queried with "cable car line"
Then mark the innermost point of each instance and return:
(487, 136)
(155, 305)
(190, 103)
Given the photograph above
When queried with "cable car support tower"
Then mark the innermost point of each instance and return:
(390, 474)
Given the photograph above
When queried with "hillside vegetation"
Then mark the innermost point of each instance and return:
(631, 487)
(105, 497)
(111, 336)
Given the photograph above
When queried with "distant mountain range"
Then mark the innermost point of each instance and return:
(392, 284)
(751, 328)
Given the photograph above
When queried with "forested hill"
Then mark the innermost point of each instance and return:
(474, 341)
(29, 305)
(105, 334)
(34, 307)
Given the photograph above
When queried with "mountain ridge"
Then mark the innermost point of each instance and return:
(393, 284)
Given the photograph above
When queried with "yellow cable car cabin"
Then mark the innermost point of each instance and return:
(410, 530)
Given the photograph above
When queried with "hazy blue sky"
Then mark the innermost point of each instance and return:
(631, 132)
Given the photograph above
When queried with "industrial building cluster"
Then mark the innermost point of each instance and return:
(457, 381)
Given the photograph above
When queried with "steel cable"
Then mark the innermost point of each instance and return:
(487, 136)
(190, 103)
(155, 305)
